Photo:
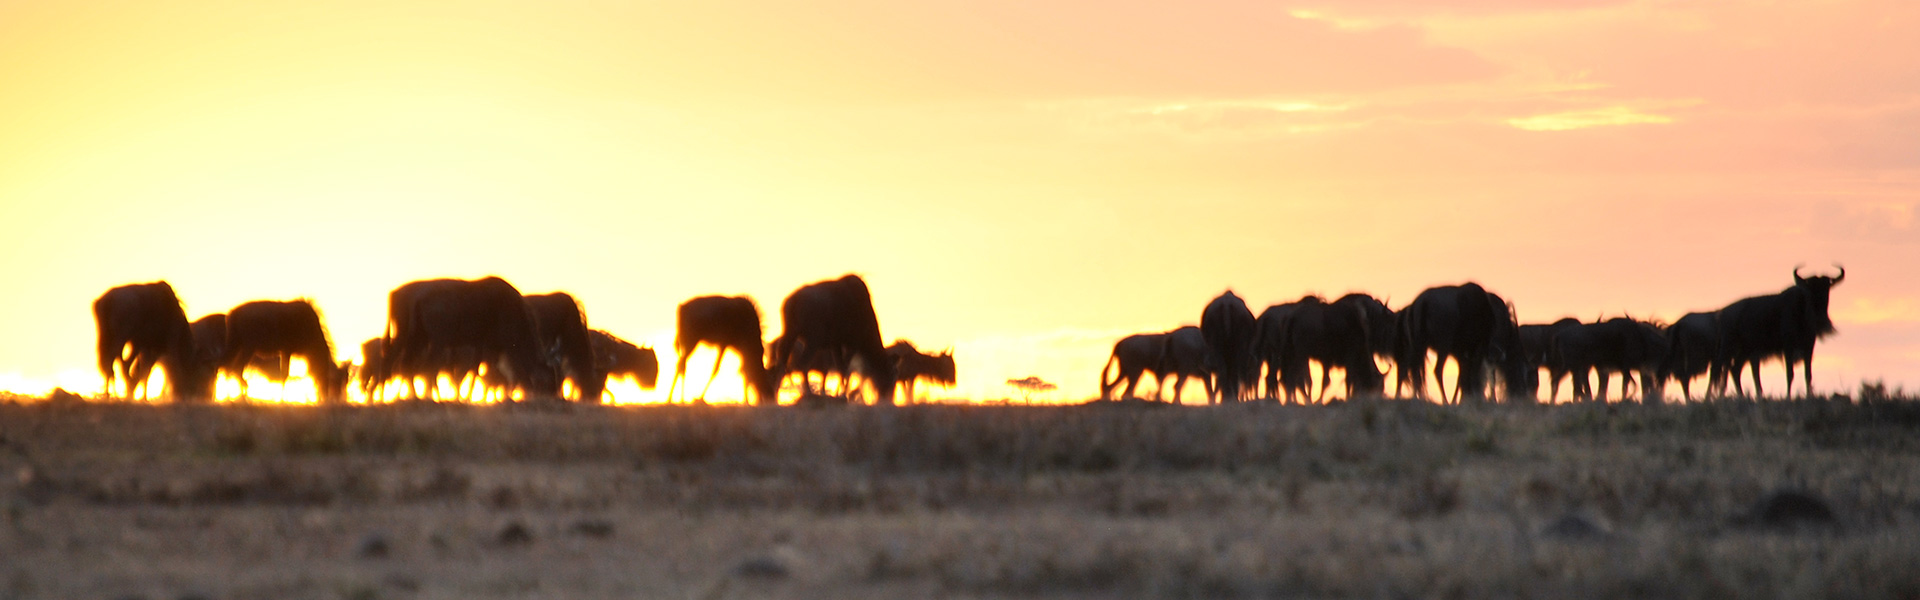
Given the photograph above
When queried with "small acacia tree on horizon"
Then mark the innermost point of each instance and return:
(1031, 385)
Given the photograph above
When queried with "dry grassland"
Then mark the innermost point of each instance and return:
(1380, 499)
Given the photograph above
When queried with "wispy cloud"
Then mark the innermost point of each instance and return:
(1583, 119)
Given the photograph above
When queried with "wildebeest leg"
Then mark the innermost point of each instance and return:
(1809, 373)
(286, 373)
(1326, 378)
(109, 363)
(717, 357)
(1757, 393)
(1787, 363)
(680, 372)
(1604, 377)
(1273, 380)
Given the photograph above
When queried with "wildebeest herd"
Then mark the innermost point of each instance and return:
(492, 341)
(1481, 334)
(489, 340)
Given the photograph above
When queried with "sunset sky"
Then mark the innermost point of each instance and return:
(1022, 181)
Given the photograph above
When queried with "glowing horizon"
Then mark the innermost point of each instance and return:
(1022, 183)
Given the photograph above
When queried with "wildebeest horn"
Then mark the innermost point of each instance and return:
(1796, 274)
(1842, 275)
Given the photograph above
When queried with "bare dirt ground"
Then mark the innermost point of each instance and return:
(1377, 499)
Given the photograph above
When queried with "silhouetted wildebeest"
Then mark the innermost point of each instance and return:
(1380, 321)
(1268, 340)
(562, 329)
(1472, 326)
(1536, 342)
(1691, 349)
(373, 368)
(1620, 345)
(210, 345)
(1184, 355)
(283, 330)
(210, 352)
(1337, 334)
(412, 359)
(836, 318)
(1786, 325)
(139, 326)
(449, 322)
(1228, 326)
(615, 357)
(725, 322)
(910, 366)
(1134, 356)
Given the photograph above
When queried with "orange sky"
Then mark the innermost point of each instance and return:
(1022, 181)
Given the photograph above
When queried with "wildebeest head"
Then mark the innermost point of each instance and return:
(1818, 289)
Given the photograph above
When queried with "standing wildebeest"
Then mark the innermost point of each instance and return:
(464, 324)
(562, 329)
(1472, 326)
(910, 365)
(283, 330)
(1786, 325)
(615, 357)
(724, 322)
(1690, 350)
(1183, 355)
(1536, 342)
(1134, 355)
(1228, 326)
(1618, 344)
(1269, 338)
(141, 325)
(835, 318)
(1337, 334)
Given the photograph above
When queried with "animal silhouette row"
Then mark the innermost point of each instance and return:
(1231, 349)
(491, 340)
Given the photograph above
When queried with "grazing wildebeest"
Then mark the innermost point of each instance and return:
(210, 344)
(1380, 321)
(1786, 325)
(283, 330)
(1134, 355)
(373, 368)
(1619, 345)
(835, 318)
(562, 329)
(210, 352)
(141, 325)
(1269, 338)
(910, 366)
(412, 359)
(1184, 355)
(1536, 342)
(462, 324)
(1690, 349)
(1468, 324)
(725, 322)
(1336, 334)
(1228, 326)
(615, 357)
